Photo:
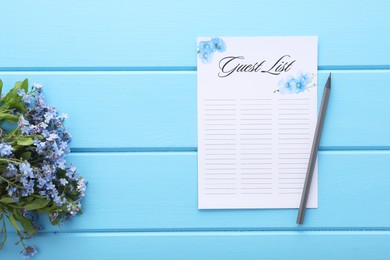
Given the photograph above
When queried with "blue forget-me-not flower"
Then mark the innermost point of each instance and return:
(5, 149)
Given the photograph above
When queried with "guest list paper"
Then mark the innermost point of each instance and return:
(257, 112)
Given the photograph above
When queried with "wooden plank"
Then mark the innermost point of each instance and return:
(209, 245)
(158, 109)
(158, 191)
(156, 34)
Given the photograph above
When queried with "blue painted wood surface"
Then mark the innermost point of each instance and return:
(324, 245)
(125, 72)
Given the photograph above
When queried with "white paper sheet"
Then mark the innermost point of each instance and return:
(257, 111)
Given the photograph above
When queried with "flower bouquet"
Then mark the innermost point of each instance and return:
(34, 177)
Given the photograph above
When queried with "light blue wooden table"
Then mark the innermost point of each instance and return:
(125, 72)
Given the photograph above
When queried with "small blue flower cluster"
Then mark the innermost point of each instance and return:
(29, 251)
(5, 149)
(206, 49)
(49, 176)
(295, 85)
(34, 176)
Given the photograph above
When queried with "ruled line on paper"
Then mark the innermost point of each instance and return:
(220, 193)
(257, 178)
(220, 178)
(256, 119)
(294, 136)
(220, 109)
(256, 109)
(251, 193)
(219, 99)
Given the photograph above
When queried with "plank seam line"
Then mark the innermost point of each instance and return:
(134, 149)
(195, 149)
(167, 68)
(222, 230)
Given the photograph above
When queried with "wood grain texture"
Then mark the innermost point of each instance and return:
(158, 109)
(211, 245)
(158, 191)
(152, 33)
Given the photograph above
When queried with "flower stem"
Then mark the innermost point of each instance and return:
(11, 160)
(3, 231)
(10, 182)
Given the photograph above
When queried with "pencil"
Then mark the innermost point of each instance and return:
(314, 151)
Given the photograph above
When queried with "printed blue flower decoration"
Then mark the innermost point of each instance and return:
(218, 44)
(206, 46)
(206, 55)
(206, 49)
(296, 85)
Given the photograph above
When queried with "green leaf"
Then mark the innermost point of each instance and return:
(54, 207)
(1, 87)
(36, 204)
(7, 200)
(26, 156)
(16, 103)
(9, 117)
(13, 92)
(12, 220)
(55, 221)
(12, 99)
(25, 141)
(61, 173)
(25, 85)
(14, 205)
(27, 225)
(28, 199)
(38, 196)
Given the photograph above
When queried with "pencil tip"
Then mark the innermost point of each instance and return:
(329, 80)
